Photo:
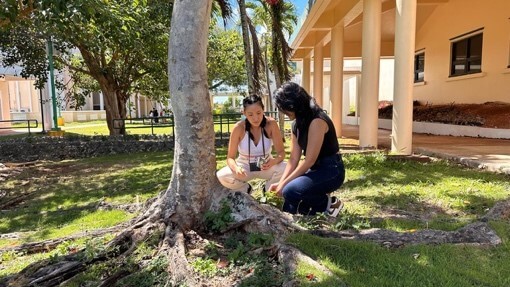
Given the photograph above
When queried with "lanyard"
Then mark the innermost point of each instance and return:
(261, 138)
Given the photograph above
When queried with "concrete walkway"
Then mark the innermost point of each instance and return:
(489, 154)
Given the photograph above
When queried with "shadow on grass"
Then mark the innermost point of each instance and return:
(82, 183)
(378, 170)
(368, 264)
(415, 186)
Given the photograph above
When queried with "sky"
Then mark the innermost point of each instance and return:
(300, 6)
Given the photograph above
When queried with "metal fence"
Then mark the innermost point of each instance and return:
(19, 124)
(223, 123)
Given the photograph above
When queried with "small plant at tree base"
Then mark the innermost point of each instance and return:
(265, 273)
(271, 198)
(238, 255)
(319, 220)
(216, 221)
(205, 266)
(348, 220)
(257, 240)
(233, 240)
(153, 274)
(212, 250)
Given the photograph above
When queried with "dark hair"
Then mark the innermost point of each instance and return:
(293, 98)
(251, 100)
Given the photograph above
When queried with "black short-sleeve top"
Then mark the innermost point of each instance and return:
(329, 144)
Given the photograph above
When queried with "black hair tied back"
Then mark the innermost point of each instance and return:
(250, 100)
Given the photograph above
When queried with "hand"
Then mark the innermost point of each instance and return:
(268, 164)
(239, 171)
(275, 187)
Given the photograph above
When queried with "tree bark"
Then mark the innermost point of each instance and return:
(114, 98)
(194, 170)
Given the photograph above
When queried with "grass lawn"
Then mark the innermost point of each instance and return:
(61, 199)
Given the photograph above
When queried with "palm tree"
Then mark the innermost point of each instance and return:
(278, 18)
(283, 19)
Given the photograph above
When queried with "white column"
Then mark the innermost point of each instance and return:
(337, 76)
(47, 107)
(138, 106)
(402, 124)
(101, 101)
(318, 70)
(18, 95)
(371, 52)
(31, 92)
(306, 74)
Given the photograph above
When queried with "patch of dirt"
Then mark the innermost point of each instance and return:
(487, 115)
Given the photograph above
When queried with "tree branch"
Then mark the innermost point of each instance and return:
(216, 85)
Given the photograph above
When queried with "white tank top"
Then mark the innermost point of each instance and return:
(262, 149)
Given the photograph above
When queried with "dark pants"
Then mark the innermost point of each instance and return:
(307, 194)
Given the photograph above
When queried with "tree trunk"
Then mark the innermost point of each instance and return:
(115, 107)
(281, 116)
(247, 46)
(114, 98)
(193, 187)
(268, 81)
(194, 170)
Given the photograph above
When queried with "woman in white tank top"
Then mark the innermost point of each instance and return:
(249, 150)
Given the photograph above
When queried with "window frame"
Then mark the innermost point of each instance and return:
(469, 58)
(417, 71)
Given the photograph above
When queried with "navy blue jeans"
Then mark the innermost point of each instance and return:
(307, 194)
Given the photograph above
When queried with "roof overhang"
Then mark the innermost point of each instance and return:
(327, 14)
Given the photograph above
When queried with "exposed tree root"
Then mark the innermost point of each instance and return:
(250, 217)
(500, 211)
(48, 245)
(175, 247)
(478, 233)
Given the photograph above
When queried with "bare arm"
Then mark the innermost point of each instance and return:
(295, 156)
(276, 136)
(233, 143)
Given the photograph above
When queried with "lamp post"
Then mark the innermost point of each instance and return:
(52, 85)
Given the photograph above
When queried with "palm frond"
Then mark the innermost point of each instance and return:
(224, 8)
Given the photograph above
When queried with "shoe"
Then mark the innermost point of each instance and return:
(250, 189)
(334, 206)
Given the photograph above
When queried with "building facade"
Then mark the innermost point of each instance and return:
(444, 51)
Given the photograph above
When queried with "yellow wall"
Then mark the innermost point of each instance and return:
(453, 19)
(4, 98)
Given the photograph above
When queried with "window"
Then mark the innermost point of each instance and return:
(466, 55)
(419, 67)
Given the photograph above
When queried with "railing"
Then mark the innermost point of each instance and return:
(18, 124)
(223, 123)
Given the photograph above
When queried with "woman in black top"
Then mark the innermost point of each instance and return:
(306, 184)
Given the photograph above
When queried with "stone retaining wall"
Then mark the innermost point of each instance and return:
(60, 148)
